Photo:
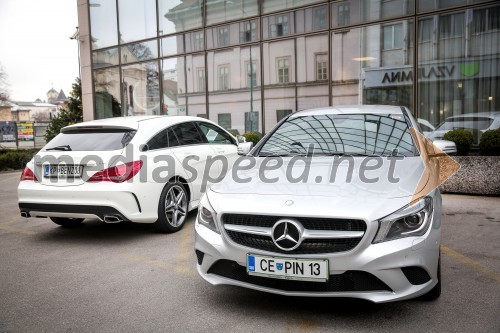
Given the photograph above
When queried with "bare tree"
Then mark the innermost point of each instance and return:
(4, 86)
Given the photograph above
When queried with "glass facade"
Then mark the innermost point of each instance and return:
(247, 64)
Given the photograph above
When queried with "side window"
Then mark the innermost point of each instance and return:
(159, 141)
(186, 134)
(213, 134)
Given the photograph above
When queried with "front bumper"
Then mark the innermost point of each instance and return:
(379, 263)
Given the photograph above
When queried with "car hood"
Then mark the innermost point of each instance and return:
(319, 198)
(406, 175)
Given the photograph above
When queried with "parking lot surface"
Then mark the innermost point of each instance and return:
(124, 277)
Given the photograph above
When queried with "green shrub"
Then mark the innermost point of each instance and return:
(490, 143)
(253, 137)
(11, 159)
(462, 138)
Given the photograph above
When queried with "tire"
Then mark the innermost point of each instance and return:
(67, 222)
(172, 208)
(435, 292)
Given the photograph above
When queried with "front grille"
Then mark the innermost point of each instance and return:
(308, 246)
(349, 281)
(416, 275)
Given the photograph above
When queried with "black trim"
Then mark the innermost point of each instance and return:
(349, 281)
(100, 211)
(199, 256)
(137, 201)
(416, 275)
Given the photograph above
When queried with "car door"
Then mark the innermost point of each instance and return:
(192, 150)
(220, 141)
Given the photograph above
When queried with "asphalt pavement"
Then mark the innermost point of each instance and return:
(126, 278)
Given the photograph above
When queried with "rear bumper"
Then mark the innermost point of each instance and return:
(88, 201)
(71, 211)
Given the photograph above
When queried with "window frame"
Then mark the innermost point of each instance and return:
(281, 77)
(223, 80)
(324, 75)
(393, 45)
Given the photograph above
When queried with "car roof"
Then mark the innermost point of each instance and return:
(132, 122)
(350, 109)
(493, 114)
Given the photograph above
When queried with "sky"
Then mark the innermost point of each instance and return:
(35, 49)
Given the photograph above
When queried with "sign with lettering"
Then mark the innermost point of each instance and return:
(25, 131)
(7, 131)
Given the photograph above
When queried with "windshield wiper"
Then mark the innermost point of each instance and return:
(62, 148)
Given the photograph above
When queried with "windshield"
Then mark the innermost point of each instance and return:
(480, 123)
(342, 134)
(91, 140)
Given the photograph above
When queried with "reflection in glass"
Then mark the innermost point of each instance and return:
(373, 65)
(274, 5)
(233, 85)
(459, 70)
(236, 33)
(364, 11)
(107, 93)
(171, 45)
(141, 89)
(139, 51)
(228, 10)
(342, 134)
(137, 19)
(177, 16)
(103, 22)
(171, 87)
(105, 58)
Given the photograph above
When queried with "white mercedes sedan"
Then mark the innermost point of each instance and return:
(148, 169)
(332, 202)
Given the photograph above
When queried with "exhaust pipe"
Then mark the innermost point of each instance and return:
(112, 219)
(25, 214)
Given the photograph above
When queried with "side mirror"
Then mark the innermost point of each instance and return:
(244, 148)
(241, 139)
(448, 147)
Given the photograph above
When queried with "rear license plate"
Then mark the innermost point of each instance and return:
(288, 268)
(63, 171)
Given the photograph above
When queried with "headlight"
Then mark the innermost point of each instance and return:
(406, 222)
(206, 215)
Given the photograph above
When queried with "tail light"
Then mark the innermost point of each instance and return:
(28, 175)
(117, 174)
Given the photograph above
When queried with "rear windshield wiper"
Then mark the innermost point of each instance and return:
(62, 148)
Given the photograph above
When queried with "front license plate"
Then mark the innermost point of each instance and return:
(288, 268)
(63, 171)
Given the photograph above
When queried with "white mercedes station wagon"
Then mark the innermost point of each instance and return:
(326, 204)
(147, 169)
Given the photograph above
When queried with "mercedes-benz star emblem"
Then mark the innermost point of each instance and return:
(287, 234)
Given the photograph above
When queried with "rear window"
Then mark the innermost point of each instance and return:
(91, 140)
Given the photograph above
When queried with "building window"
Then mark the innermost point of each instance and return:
(283, 70)
(425, 28)
(223, 36)
(393, 36)
(280, 114)
(201, 79)
(198, 41)
(281, 26)
(451, 25)
(320, 18)
(249, 31)
(322, 67)
(223, 77)
(485, 20)
(224, 120)
(251, 75)
(251, 121)
(343, 13)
